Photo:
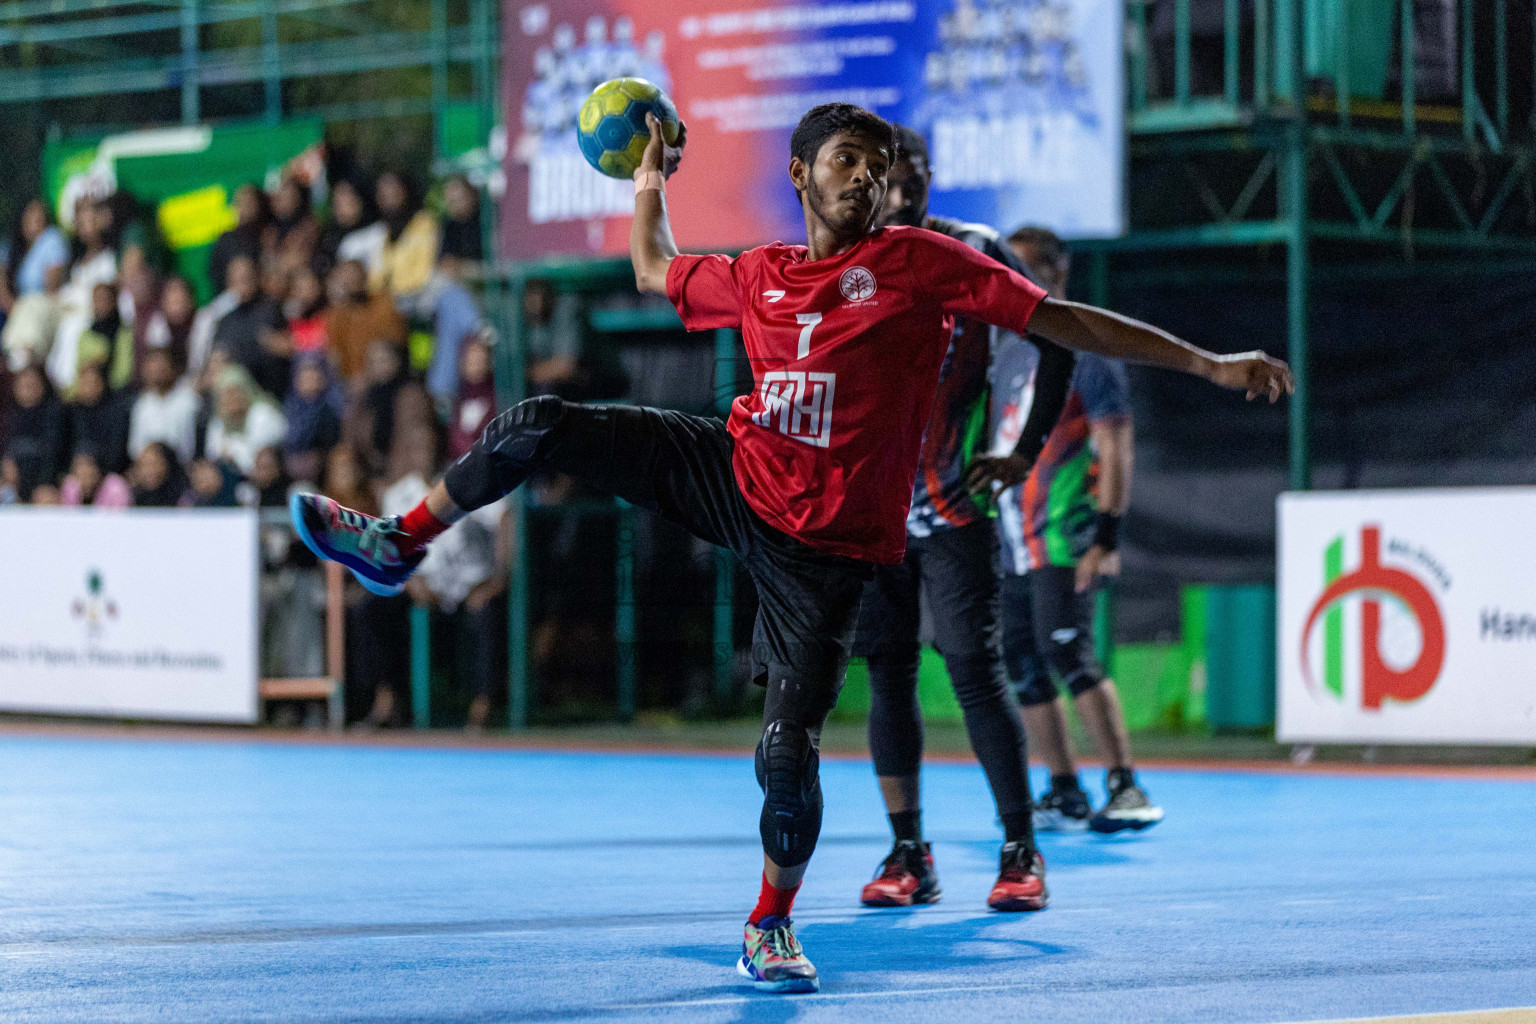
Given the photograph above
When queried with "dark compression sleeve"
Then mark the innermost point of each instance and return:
(1053, 379)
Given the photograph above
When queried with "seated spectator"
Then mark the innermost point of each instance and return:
(253, 213)
(355, 319)
(33, 323)
(44, 494)
(212, 485)
(562, 358)
(86, 484)
(245, 420)
(354, 233)
(39, 431)
(305, 312)
(268, 482)
(10, 482)
(294, 228)
(156, 476)
(371, 426)
(462, 238)
(98, 419)
(465, 572)
(314, 423)
(36, 248)
(165, 411)
(93, 263)
(475, 405)
(411, 239)
(254, 333)
(168, 325)
(275, 281)
(109, 341)
(455, 317)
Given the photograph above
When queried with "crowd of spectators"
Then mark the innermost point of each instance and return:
(340, 351)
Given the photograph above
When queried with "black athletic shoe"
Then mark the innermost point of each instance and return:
(1062, 810)
(906, 877)
(1128, 807)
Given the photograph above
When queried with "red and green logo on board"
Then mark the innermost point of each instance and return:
(1367, 620)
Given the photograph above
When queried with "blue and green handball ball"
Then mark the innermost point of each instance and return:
(611, 128)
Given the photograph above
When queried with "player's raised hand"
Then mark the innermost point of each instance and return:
(1255, 373)
(658, 155)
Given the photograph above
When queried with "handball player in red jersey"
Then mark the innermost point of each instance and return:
(809, 480)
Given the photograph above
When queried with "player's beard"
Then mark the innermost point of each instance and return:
(852, 225)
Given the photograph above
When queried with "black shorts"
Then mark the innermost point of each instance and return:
(679, 467)
(1048, 632)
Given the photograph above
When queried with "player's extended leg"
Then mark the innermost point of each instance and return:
(1064, 806)
(807, 605)
(888, 640)
(1063, 630)
(959, 575)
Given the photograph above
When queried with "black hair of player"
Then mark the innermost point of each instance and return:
(822, 122)
(1045, 240)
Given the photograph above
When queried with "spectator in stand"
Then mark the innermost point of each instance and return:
(245, 420)
(86, 484)
(253, 213)
(165, 411)
(212, 485)
(254, 333)
(372, 421)
(45, 494)
(33, 323)
(411, 238)
(465, 573)
(561, 358)
(36, 248)
(314, 423)
(93, 263)
(354, 233)
(355, 319)
(109, 341)
(168, 325)
(475, 406)
(462, 238)
(275, 280)
(156, 476)
(10, 482)
(455, 318)
(268, 482)
(305, 312)
(98, 419)
(295, 228)
(39, 431)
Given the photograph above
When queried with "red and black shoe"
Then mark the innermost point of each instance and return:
(1021, 880)
(906, 877)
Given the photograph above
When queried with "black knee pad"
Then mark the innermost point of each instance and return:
(1071, 658)
(508, 451)
(516, 433)
(1033, 686)
(788, 772)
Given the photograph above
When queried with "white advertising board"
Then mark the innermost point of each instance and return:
(1408, 616)
(145, 614)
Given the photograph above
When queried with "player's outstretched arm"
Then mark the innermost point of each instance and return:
(1090, 329)
(650, 234)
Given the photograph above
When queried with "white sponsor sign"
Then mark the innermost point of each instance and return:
(129, 613)
(1408, 616)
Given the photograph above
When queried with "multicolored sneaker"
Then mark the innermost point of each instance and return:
(1128, 807)
(1020, 880)
(906, 877)
(364, 544)
(1062, 810)
(771, 956)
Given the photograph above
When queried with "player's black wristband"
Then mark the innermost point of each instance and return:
(1106, 531)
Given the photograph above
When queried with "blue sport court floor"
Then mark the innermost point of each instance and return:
(191, 880)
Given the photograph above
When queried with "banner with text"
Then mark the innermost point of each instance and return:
(1021, 102)
(1408, 617)
(144, 614)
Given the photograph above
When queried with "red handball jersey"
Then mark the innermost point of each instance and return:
(845, 355)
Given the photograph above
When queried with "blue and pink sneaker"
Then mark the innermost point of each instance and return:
(368, 546)
(771, 956)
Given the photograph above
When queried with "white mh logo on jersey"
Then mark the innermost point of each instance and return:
(798, 404)
(856, 284)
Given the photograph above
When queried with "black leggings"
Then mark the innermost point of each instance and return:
(956, 569)
(679, 467)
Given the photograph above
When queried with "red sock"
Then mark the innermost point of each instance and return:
(420, 526)
(773, 902)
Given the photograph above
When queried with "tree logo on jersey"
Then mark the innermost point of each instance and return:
(797, 404)
(1400, 630)
(856, 284)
